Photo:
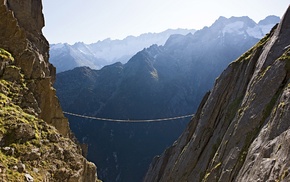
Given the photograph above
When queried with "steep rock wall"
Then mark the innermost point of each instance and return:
(21, 35)
(241, 130)
(35, 139)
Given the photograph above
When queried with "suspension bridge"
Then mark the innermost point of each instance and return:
(128, 120)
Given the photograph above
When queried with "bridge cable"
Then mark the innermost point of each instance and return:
(128, 120)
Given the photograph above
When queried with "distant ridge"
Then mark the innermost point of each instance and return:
(105, 52)
(96, 55)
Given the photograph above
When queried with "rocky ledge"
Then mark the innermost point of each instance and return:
(35, 140)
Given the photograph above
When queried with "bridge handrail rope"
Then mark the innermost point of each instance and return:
(128, 120)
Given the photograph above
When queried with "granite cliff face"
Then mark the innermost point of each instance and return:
(22, 37)
(241, 129)
(35, 139)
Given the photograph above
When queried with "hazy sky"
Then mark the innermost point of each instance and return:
(92, 20)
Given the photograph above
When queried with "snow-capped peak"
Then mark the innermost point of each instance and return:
(250, 28)
(235, 27)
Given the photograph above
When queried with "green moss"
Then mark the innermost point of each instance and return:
(247, 55)
(11, 116)
(206, 176)
(285, 174)
(262, 74)
(264, 40)
(217, 165)
(8, 162)
(43, 163)
(12, 91)
(210, 171)
(5, 54)
(286, 57)
(281, 105)
(213, 156)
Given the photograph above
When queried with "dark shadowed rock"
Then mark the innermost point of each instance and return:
(24, 132)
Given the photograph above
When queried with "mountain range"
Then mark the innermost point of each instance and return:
(97, 55)
(105, 52)
(159, 81)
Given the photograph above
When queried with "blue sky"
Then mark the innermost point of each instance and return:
(92, 20)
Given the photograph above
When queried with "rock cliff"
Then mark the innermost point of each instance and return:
(35, 139)
(241, 129)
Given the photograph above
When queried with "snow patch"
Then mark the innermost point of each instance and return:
(255, 32)
(239, 28)
(57, 46)
(236, 27)
(266, 28)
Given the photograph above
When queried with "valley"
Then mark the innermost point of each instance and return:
(157, 82)
(206, 104)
